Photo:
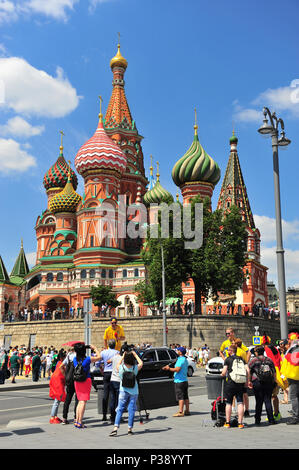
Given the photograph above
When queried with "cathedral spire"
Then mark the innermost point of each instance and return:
(21, 268)
(118, 113)
(233, 190)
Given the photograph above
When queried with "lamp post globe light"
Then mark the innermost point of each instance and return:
(267, 129)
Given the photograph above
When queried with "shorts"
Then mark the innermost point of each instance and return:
(14, 372)
(181, 390)
(234, 390)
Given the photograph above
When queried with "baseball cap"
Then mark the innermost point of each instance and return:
(113, 319)
(183, 350)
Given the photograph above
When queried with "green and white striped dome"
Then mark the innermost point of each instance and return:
(196, 165)
(156, 195)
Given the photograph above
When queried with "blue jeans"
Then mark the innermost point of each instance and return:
(55, 407)
(126, 399)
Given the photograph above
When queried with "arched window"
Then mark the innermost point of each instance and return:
(83, 274)
(136, 272)
(111, 273)
(59, 277)
(50, 277)
(92, 274)
(103, 273)
(125, 273)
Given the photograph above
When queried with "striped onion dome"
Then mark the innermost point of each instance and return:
(67, 200)
(100, 152)
(157, 193)
(57, 175)
(196, 165)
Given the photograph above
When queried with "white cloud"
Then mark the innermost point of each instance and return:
(269, 259)
(284, 98)
(267, 227)
(8, 11)
(14, 158)
(94, 3)
(248, 115)
(31, 259)
(18, 127)
(281, 99)
(290, 229)
(56, 9)
(31, 91)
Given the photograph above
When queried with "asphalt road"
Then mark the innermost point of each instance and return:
(31, 403)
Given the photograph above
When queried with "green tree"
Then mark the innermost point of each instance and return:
(217, 266)
(102, 295)
(175, 268)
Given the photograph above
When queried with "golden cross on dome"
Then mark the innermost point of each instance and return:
(101, 101)
(158, 174)
(62, 134)
(69, 169)
(118, 38)
(195, 125)
(151, 167)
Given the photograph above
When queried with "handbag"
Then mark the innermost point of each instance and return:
(7, 373)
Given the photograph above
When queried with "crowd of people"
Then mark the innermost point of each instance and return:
(38, 362)
(270, 369)
(175, 308)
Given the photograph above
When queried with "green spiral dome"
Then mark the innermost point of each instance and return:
(156, 195)
(196, 165)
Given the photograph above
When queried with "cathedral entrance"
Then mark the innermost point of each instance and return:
(58, 306)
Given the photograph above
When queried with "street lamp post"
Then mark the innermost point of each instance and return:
(272, 129)
(163, 297)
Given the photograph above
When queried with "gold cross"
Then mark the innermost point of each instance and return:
(195, 125)
(62, 134)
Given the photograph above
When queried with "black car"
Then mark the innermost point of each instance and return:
(154, 359)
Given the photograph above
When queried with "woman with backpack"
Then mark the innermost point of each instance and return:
(82, 378)
(262, 375)
(128, 391)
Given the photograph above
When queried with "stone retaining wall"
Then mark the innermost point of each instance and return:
(189, 331)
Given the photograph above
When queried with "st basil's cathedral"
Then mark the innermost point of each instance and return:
(76, 247)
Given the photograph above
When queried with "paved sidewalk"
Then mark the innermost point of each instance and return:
(161, 431)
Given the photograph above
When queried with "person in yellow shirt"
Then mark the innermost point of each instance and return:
(114, 331)
(230, 334)
(242, 351)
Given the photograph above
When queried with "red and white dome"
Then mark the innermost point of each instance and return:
(100, 152)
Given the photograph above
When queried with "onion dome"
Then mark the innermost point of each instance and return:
(196, 165)
(233, 139)
(67, 200)
(57, 175)
(157, 194)
(100, 153)
(118, 60)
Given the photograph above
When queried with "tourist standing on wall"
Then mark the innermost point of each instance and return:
(116, 332)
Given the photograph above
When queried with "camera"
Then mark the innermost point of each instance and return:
(127, 347)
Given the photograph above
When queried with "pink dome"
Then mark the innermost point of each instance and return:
(100, 152)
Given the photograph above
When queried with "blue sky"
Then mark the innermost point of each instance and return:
(227, 59)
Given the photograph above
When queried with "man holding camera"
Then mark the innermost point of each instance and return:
(116, 332)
